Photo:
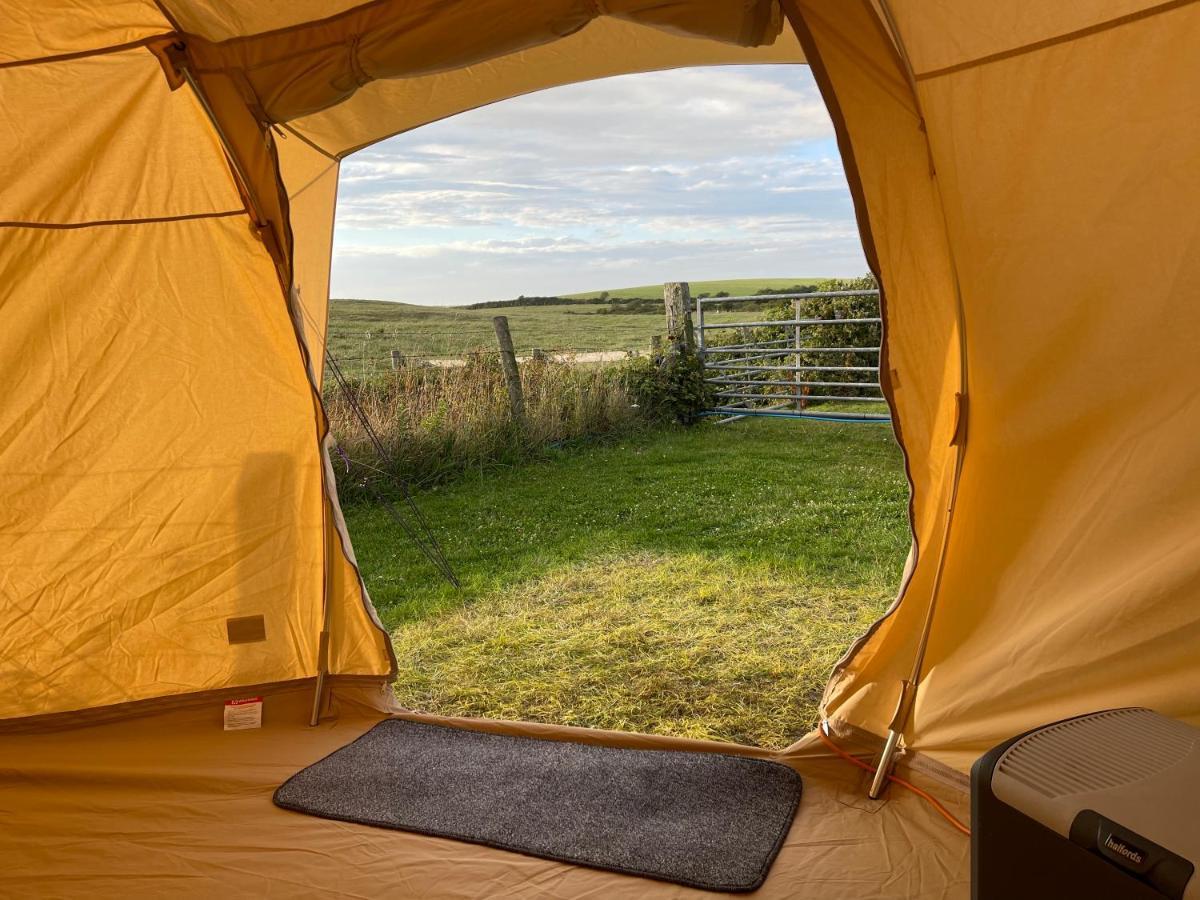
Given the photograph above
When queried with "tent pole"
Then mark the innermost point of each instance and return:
(323, 638)
(322, 670)
(792, 9)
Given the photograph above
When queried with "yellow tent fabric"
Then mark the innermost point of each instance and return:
(1067, 188)
(1026, 185)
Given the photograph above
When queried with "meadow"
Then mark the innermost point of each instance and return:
(364, 332)
(697, 582)
(618, 571)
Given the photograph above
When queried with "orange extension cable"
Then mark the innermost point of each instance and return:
(929, 798)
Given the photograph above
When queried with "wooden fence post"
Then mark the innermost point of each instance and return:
(512, 376)
(397, 360)
(677, 299)
(656, 345)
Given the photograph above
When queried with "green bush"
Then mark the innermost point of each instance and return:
(670, 388)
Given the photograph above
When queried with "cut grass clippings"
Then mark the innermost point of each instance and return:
(696, 582)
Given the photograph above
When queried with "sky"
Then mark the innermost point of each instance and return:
(686, 175)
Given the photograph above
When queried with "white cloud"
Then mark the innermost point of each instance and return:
(691, 174)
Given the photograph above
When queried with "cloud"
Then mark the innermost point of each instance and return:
(692, 174)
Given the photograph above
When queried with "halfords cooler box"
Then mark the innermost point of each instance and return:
(1102, 807)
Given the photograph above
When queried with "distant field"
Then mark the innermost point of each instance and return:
(364, 332)
(735, 287)
(370, 329)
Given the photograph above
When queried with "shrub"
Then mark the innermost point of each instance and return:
(671, 388)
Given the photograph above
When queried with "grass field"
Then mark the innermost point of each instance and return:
(451, 331)
(693, 582)
(364, 332)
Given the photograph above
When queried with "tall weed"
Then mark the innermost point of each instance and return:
(436, 423)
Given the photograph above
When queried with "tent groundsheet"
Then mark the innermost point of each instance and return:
(170, 804)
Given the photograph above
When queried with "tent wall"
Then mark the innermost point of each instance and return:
(159, 454)
(1064, 143)
(899, 209)
(310, 180)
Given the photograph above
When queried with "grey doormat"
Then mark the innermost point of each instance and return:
(702, 819)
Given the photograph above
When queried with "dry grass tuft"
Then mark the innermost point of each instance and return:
(440, 422)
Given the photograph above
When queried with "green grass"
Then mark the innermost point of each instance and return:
(735, 287)
(451, 331)
(691, 582)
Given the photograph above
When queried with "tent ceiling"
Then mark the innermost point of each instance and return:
(386, 67)
(606, 47)
(34, 30)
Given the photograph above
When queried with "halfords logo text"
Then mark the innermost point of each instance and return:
(1122, 849)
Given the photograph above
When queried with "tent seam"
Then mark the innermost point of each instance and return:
(999, 56)
(98, 51)
(146, 220)
(168, 14)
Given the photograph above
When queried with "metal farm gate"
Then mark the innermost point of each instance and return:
(819, 364)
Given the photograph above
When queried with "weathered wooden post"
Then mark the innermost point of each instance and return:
(397, 360)
(656, 345)
(512, 376)
(677, 299)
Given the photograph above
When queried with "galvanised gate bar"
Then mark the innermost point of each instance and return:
(783, 377)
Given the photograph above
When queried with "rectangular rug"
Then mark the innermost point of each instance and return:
(706, 820)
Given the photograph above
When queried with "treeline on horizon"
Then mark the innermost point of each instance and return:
(618, 305)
